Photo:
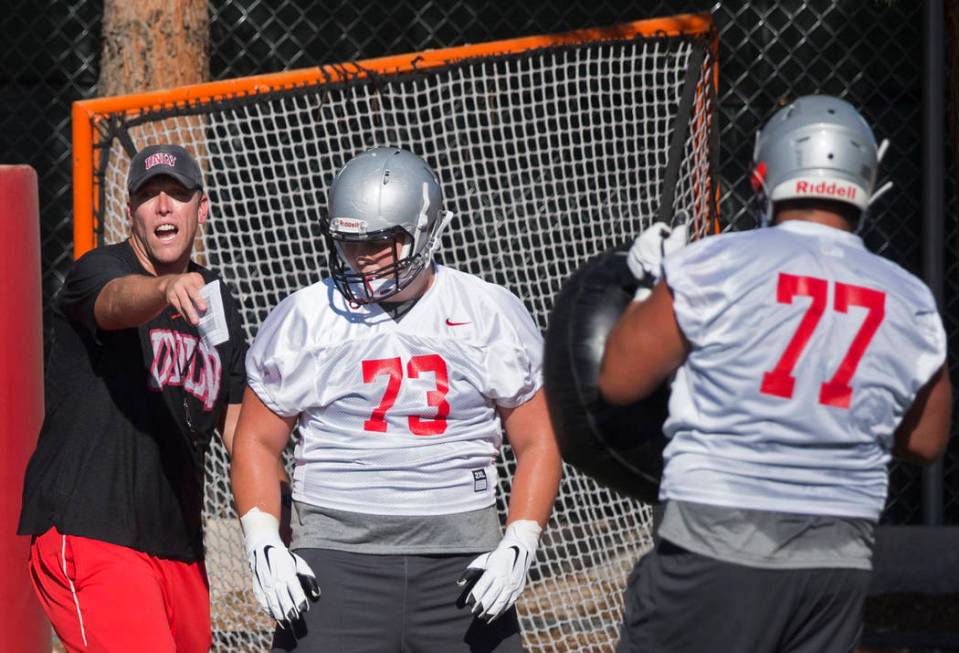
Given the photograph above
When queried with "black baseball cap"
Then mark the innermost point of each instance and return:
(171, 160)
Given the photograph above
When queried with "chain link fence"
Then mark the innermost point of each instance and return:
(868, 51)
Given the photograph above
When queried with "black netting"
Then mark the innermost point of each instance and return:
(868, 51)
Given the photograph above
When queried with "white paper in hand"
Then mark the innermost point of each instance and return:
(212, 327)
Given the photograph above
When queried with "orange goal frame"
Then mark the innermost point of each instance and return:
(86, 114)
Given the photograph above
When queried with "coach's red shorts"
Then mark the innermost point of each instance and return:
(110, 598)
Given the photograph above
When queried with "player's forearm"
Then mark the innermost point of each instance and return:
(923, 435)
(261, 436)
(130, 301)
(535, 483)
(538, 463)
(253, 474)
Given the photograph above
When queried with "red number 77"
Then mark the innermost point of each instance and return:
(836, 391)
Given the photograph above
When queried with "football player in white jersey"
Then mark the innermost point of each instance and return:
(398, 376)
(802, 363)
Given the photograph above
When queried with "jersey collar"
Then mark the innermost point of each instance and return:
(806, 228)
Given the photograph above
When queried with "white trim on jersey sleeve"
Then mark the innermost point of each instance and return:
(514, 359)
(279, 368)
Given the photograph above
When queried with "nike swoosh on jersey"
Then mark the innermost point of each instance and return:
(451, 323)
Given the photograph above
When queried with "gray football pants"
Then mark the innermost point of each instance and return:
(393, 604)
(677, 601)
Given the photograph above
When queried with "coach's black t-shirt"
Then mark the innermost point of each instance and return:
(129, 416)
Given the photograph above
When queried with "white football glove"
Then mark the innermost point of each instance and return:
(279, 576)
(500, 575)
(645, 257)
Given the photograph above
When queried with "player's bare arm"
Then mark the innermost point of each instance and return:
(227, 427)
(924, 432)
(258, 443)
(135, 299)
(493, 581)
(282, 580)
(645, 346)
(538, 463)
(228, 422)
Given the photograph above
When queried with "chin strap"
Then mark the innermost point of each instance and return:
(880, 153)
(433, 243)
(879, 192)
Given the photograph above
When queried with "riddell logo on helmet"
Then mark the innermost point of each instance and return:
(831, 189)
(160, 158)
(350, 225)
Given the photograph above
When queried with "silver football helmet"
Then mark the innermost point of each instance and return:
(390, 196)
(818, 146)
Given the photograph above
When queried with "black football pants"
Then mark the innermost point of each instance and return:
(677, 601)
(393, 604)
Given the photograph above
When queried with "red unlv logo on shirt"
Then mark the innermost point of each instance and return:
(180, 359)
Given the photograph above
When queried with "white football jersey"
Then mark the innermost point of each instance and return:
(806, 352)
(398, 417)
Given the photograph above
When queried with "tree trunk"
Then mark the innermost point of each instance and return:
(153, 44)
(150, 45)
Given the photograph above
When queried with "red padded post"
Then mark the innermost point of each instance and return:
(23, 626)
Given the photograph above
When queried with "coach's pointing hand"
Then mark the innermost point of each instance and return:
(501, 573)
(279, 576)
(182, 292)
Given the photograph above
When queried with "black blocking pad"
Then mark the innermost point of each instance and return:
(619, 447)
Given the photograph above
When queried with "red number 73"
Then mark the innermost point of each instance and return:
(393, 368)
(836, 391)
